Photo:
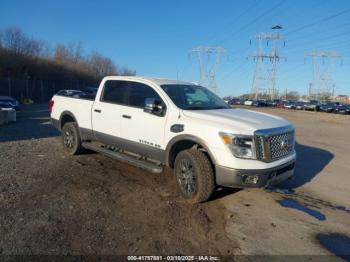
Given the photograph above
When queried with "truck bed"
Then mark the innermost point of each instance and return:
(79, 107)
(85, 96)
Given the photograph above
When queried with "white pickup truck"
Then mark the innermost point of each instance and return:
(152, 123)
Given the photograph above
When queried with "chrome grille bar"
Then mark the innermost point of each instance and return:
(273, 144)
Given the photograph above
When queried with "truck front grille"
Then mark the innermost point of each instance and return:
(273, 146)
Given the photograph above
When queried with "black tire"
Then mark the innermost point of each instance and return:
(196, 183)
(71, 138)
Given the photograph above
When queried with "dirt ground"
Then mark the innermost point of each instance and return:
(52, 203)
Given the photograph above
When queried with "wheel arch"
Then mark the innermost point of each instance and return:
(67, 116)
(183, 142)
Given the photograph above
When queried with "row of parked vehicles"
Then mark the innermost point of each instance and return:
(9, 102)
(312, 105)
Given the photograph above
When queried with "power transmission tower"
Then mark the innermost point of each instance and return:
(208, 60)
(265, 75)
(322, 85)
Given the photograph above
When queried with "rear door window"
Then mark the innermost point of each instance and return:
(115, 91)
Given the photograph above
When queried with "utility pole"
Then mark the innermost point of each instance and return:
(208, 61)
(265, 76)
(285, 94)
(322, 85)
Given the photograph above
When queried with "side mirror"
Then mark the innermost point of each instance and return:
(153, 106)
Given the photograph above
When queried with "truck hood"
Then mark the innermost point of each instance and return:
(240, 120)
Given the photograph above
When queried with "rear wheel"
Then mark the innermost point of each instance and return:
(71, 138)
(194, 175)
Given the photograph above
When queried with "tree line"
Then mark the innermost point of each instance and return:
(24, 56)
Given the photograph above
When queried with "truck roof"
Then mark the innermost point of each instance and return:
(158, 81)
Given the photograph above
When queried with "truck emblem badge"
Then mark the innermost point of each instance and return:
(285, 144)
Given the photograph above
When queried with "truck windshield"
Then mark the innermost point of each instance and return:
(193, 97)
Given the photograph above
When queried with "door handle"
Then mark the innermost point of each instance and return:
(97, 110)
(126, 116)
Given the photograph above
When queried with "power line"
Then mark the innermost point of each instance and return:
(290, 14)
(233, 70)
(253, 5)
(293, 69)
(242, 74)
(338, 45)
(318, 22)
(318, 32)
(318, 42)
(331, 37)
(253, 21)
(302, 27)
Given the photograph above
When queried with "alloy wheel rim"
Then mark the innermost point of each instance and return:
(69, 139)
(186, 177)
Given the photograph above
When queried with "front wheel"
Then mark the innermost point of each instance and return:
(71, 138)
(194, 175)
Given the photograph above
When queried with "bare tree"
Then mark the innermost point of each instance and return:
(71, 53)
(127, 72)
(13, 39)
(61, 53)
(101, 66)
(46, 50)
(32, 47)
(76, 52)
(64, 62)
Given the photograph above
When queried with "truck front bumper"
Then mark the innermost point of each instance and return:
(242, 178)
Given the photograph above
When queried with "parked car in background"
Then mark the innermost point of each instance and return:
(290, 105)
(9, 102)
(281, 104)
(269, 103)
(91, 90)
(259, 103)
(71, 93)
(235, 101)
(299, 105)
(272, 103)
(248, 102)
(342, 109)
(312, 105)
(329, 107)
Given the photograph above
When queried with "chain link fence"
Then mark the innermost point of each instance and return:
(37, 90)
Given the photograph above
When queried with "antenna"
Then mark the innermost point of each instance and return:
(207, 71)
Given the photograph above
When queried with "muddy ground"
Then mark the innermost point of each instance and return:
(52, 203)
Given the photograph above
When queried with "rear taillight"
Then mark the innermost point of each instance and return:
(51, 103)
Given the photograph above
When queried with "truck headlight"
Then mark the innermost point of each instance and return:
(241, 146)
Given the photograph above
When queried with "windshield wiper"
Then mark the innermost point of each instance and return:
(195, 108)
(220, 107)
(205, 108)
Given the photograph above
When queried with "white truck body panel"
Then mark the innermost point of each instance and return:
(79, 107)
(202, 124)
(110, 123)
